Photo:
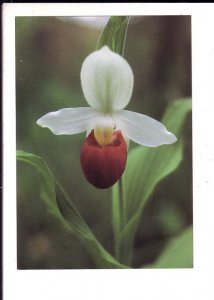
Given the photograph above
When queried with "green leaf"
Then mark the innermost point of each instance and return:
(62, 208)
(146, 167)
(47, 189)
(178, 253)
(114, 34)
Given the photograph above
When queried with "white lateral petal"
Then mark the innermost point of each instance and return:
(107, 80)
(143, 129)
(69, 120)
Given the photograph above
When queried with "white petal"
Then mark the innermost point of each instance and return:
(107, 80)
(143, 129)
(69, 120)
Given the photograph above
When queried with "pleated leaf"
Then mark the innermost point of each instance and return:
(114, 34)
(146, 167)
(62, 208)
(178, 252)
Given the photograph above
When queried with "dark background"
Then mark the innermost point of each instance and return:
(49, 55)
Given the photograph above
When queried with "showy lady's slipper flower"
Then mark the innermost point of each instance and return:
(107, 83)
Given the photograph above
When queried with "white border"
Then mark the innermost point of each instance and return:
(121, 284)
(103, 9)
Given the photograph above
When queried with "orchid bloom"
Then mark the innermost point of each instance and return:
(107, 82)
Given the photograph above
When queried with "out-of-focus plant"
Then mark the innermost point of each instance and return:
(107, 82)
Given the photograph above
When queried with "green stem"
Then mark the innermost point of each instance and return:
(122, 202)
(120, 212)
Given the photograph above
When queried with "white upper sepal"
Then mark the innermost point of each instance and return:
(107, 80)
(143, 129)
(69, 120)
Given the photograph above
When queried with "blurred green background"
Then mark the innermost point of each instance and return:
(49, 55)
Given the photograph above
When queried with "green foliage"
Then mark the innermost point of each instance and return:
(53, 51)
(47, 189)
(63, 209)
(146, 167)
(178, 253)
(114, 34)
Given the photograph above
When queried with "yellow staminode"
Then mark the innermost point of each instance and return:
(104, 135)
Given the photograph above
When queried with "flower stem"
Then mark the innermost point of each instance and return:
(122, 202)
(119, 214)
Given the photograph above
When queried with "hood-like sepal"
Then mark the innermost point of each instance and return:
(107, 80)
